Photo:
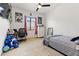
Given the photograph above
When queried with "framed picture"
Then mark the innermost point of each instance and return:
(18, 17)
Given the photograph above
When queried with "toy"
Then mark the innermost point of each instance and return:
(10, 43)
(14, 43)
(6, 48)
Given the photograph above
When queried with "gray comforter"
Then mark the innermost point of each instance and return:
(63, 44)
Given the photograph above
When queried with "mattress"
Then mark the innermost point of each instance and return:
(65, 40)
(63, 44)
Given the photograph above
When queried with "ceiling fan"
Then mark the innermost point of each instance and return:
(40, 5)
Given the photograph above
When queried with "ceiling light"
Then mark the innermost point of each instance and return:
(39, 6)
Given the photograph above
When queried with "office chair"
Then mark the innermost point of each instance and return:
(22, 34)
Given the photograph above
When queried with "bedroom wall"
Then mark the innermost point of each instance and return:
(25, 12)
(16, 25)
(64, 19)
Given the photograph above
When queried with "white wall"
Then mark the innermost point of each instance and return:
(64, 19)
(25, 12)
(16, 25)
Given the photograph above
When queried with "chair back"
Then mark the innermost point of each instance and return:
(21, 32)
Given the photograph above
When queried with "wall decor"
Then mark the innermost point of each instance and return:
(18, 17)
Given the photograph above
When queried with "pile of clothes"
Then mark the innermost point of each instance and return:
(10, 43)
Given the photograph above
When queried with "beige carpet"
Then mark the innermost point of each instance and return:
(32, 47)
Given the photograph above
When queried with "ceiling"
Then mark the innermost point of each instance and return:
(32, 7)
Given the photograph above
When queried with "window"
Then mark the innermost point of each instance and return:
(30, 23)
(39, 20)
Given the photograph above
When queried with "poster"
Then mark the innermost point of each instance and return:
(18, 17)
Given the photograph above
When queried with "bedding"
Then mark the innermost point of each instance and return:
(63, 44)
(77, 42)
(75, 38)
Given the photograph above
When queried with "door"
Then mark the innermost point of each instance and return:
(31, 27)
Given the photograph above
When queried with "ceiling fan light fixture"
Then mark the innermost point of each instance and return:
(39, 6)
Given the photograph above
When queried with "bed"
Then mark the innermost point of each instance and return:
(63, 44)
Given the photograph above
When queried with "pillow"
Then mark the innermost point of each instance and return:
(77, 42)
(75, 38)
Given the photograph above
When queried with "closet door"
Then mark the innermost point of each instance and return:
(40, 27)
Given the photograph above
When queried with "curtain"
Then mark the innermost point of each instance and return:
(25, 23)
(36, 25)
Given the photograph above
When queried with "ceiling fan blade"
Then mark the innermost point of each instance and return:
(37, 9)
(48, 5)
